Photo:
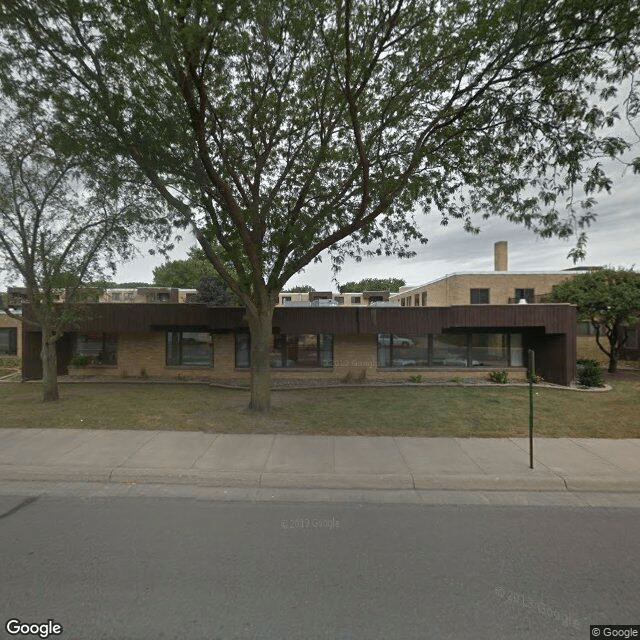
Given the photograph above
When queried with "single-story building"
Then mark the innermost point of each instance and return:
(380, 343)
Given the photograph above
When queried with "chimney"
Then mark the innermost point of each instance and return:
(500, 256)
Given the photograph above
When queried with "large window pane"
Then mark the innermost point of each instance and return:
(384, 350)
(189, 348)
(449, 350)
(302, 351)
(325, 350)
(489, 350)
(196, 349)
(402, 351)
(409, 351)
(173, 347)
(517, 359)
(243, 350)
(8, 341)
(100, 348)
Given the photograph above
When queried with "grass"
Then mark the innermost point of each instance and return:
(400, 411)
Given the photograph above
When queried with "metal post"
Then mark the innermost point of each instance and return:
(532, 373)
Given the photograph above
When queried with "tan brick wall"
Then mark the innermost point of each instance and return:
(8, 321)
(456, 289)
(586, 347)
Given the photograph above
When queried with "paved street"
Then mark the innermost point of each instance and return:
(149, 567)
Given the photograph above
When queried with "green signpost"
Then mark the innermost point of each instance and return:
(532, 373)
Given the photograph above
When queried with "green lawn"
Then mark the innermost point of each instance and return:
(402, 411)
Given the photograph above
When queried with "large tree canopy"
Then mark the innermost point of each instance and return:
(184, 273)
(373, 284)
(609, 299)
(279, 129)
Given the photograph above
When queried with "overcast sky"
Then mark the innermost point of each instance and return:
(614, 240)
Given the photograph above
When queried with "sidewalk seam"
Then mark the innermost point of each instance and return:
(215, 437)
(597, 455)
(146, 442)
(266, 461)
(406, 462)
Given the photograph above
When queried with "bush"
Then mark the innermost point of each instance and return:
(536, 379)
(589, 373)
(499, 376)
(80, 360)
(416, 379)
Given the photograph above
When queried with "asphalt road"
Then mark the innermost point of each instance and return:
(160, 568)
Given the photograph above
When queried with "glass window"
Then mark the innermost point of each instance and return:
(100, 348)
(449, 350)
(402, 351)
(489, 350)
(9, 341)
(479, 296)
(243, 350)
(356, 299)
(290, 351)
(189, 348)
(525, 294)
(517, 358)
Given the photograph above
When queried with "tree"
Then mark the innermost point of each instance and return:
(303, 288)
(281, 130)
(184, 273)
(609, 299)
(59, 230)
(374, 284)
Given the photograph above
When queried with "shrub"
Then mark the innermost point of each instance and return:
(535, 378)
(348, 378)
(80, 360)
(589, 373)
(362, 376)
(416, 379)
(499, 376)
(143, 373)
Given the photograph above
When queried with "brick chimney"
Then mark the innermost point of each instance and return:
(500, 256)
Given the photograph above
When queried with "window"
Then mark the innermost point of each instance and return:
(424, 298)
(356, 299)
(163, 297)
(189, 348)
(516, 358)
(402, 351)
(9, 341)
(450, 350)
(479, 296)
(339, 299)
(525, 294)
(402, 302)
(100, 348)
(115, 297)
(290, 351)
(416, 301)
(286, 298)
(243, 350)
(489, 350)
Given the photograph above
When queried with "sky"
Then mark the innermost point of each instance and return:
(614, 240)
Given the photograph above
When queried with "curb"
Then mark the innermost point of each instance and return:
(275, 480)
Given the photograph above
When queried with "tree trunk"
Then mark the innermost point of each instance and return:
(49, 359)
(261, 330)
(613, 363)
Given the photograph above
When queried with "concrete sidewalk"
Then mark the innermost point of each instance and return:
(283, 461)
